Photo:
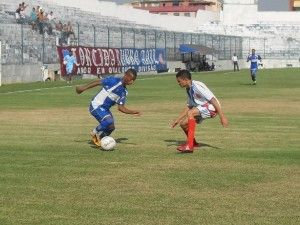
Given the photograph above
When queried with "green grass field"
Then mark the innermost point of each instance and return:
(249, 173)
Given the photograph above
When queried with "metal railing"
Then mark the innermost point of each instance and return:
(34, 47)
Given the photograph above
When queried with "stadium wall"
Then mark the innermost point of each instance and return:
(32, 72)
(204, 17)
(239, 14)
(279, 17)
(18, 73)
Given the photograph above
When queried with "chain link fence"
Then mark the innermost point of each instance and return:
(22, 45)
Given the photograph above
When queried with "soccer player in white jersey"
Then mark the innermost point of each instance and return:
(113, 92)
(253, 58)
(201, 104)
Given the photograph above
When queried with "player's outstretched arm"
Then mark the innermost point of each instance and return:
(217, 106)
(125, 110)
(81, 88)
(180, 117)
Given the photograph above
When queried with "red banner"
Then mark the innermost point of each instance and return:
(97, 61)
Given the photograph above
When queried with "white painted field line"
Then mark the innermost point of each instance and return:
(31, 90)
(41, 89)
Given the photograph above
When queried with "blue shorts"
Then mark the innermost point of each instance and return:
(253, 71)
(101, 114)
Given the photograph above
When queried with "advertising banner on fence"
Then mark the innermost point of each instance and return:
(98, 61)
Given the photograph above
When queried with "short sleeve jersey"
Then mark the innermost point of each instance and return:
(198, 94)
(254, 61)
(113, 92)
(71, 60)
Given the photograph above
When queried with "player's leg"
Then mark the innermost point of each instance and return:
(196, 115)
(191, 125)
(106, 124)
(253, 75)
(184, 127)
(106, 127)
(69, 70)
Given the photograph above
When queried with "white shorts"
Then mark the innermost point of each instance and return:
(206, 111)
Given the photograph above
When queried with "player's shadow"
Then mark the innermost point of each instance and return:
(247, 84)
(124, 141)
(118, 140)
(177, 143)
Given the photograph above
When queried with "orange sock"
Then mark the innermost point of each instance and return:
(191, 132)
(186, 133)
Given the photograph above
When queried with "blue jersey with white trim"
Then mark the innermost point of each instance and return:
(113, 92)
(253, 58)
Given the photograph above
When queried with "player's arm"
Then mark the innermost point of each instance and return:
(81, 88)
(217, 106)
(248, 58)
(125, 110)
(259, 58)
(180, 117)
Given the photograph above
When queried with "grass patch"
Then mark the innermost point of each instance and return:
(246, 174)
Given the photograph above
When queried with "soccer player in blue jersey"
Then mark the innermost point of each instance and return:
(253, 58)
(113, 92)
(201, 105)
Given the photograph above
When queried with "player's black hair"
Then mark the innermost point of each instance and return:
(133, 72)
(184, 74)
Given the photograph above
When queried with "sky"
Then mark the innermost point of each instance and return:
(263, 5)
(273, 5)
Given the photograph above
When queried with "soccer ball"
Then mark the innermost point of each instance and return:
(108, 143)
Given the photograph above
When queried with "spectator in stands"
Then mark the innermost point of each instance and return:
(38, 8)
(21, 13)
(51, 22)
(41, 21)
(50, 17)
(59, 26)
(33, 18)
(58, 32)
(64, 34)
(18, 13)
(23, 6)
(70, 30)
(235, 62)
(48, 21)
(253, 58)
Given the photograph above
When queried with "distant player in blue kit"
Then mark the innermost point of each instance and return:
(113, 92)
(69, 61)
(253, 58)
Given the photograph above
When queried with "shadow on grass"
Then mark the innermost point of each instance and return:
(177, 143)
(118, 140)
(247, 84)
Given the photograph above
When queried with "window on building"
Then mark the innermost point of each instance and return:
(176, 14)
(175, 2)
(155, 4)
(187, 14)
